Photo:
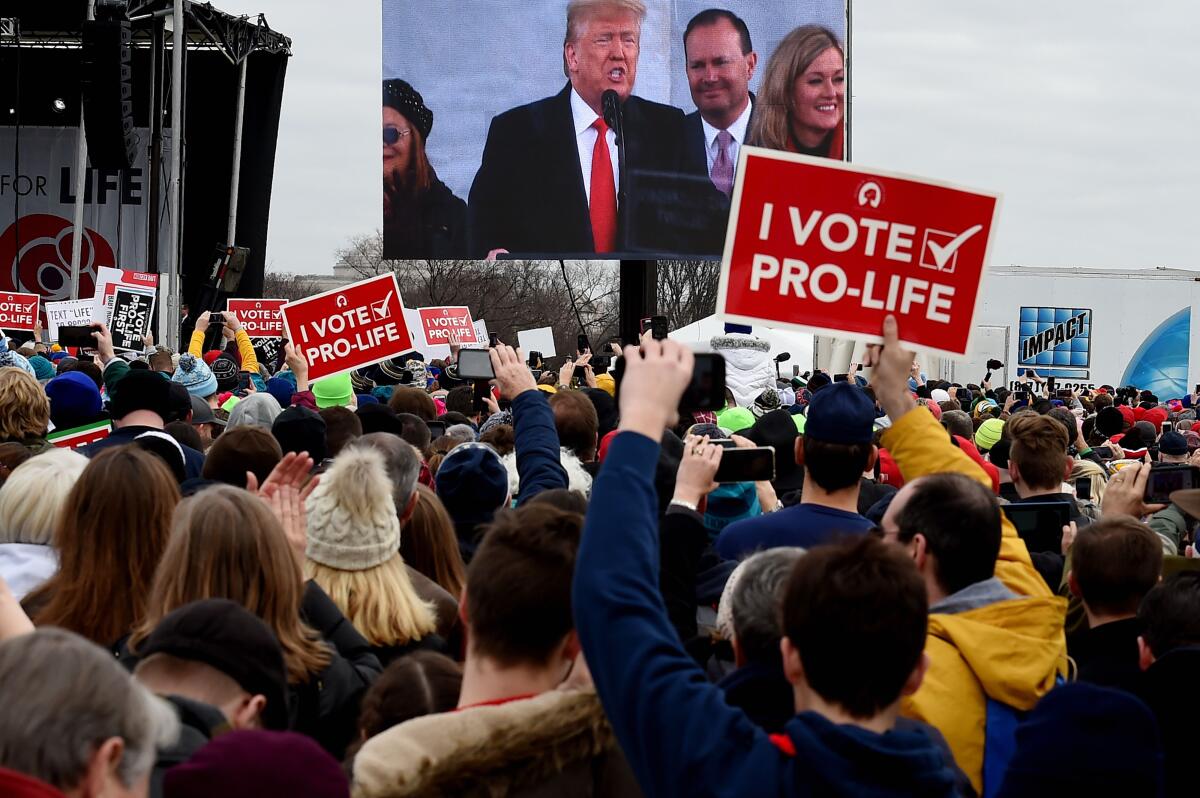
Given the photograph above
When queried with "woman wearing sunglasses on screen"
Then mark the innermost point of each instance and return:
(421, 216)
(802, 103)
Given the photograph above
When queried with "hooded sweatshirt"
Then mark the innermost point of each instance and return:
(557, 743)
(680, 736)
(1007, 644)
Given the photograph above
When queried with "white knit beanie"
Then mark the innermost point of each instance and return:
(352, 523)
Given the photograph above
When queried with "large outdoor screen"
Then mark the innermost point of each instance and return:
(588, 128)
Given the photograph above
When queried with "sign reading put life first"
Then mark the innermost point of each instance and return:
(833, 248)
(350, 327)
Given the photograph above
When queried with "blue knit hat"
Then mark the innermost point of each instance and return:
(195, 375)
(282, 389)
(74, 399)
(472, 482)
(43, 369)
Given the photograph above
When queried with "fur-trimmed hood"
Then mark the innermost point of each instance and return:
(518, 748)
(577, 476)
(748, 366)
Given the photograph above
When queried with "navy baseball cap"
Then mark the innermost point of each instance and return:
(1172, 442)
(840, 413)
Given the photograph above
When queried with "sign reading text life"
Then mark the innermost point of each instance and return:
(18, 311)
(349, 327)
(448, 325)
(832, 248)
(71, 313)
(260, 318)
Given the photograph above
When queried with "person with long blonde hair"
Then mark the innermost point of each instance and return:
(801, 105)
(110, 535)
(226, 543)
(353, 553)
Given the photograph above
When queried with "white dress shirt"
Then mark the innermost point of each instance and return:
(585, 140)
(737, 130)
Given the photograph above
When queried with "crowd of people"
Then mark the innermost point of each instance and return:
(397, 582)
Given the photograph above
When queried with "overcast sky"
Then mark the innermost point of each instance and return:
(1083, 114)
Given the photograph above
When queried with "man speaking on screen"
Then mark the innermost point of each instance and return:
(549, 181)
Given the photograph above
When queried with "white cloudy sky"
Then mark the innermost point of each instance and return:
(1082, 113)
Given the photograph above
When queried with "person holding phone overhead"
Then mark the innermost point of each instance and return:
(802, 102)
(835, 450)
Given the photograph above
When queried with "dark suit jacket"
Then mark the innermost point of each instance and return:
(695, 159)
(528, 195)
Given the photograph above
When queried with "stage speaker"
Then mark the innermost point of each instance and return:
(107, 66)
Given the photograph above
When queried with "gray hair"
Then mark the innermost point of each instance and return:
(63, 697)
(402, 460)
(756, 600)
(461, 432)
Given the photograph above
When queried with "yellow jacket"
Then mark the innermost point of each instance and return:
(245, 349)
(1011, 651)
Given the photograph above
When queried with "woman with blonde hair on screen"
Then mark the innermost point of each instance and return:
(802, 103)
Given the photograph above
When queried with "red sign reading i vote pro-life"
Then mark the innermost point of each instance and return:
(448, 325)
(260, 318)
(349, 327)
(18, 311)
(833, 248)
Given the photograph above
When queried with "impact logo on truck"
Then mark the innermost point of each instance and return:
(1055, 337)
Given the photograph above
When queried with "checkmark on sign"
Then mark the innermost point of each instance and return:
(380, 308)
(939, 250)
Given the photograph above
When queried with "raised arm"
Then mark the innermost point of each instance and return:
(539, 463)
(674, 726)
(920, 446)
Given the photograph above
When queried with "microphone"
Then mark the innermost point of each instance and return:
(610, 102)
(783, 357)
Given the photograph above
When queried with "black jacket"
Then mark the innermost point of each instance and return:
(435, 227)
(1108, 654)
(198, 723)
(528, 195)
(326, 707)
(1168, 688)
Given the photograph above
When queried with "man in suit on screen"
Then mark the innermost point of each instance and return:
(720, 63)
(549, 179)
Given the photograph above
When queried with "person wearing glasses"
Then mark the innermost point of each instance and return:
(421, 216)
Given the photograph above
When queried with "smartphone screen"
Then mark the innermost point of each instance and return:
(436, 429)
(747, 465)
(1039, 524)
(582, 345)
(76, 336)
(658, 328)
(493, 340)
(1083, 488)
(475, 364)
(1166, 479)
(706, 391)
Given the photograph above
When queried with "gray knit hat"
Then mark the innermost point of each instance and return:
(352, 523)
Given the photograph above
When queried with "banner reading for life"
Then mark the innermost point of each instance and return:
(833, 248)
(37, 205)
(349, 327)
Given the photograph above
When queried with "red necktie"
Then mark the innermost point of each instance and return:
(603, 205)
